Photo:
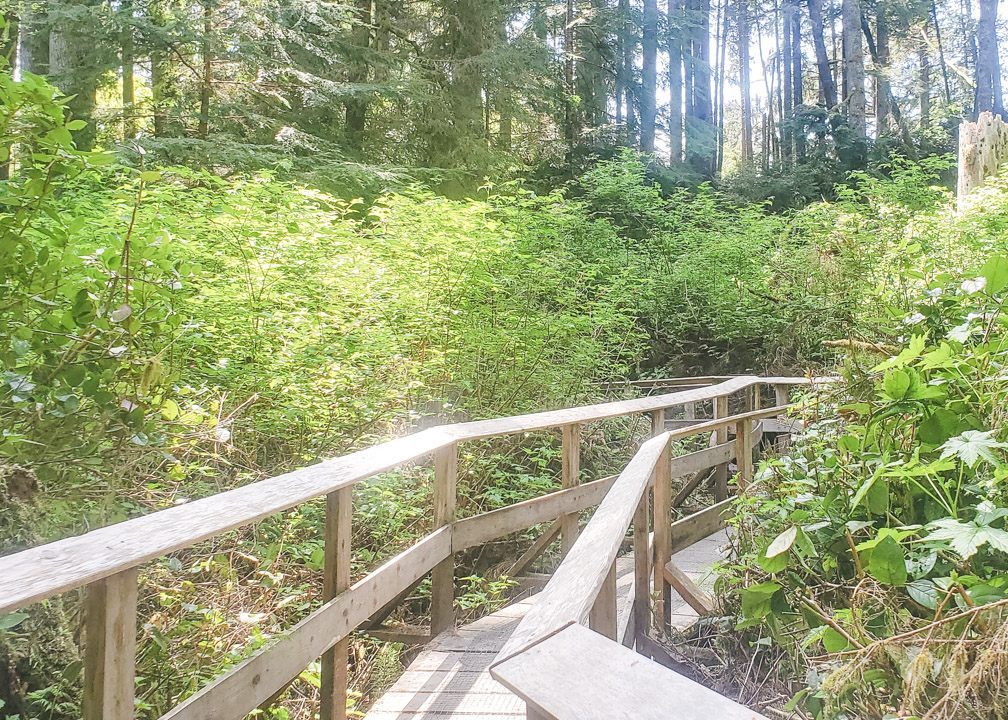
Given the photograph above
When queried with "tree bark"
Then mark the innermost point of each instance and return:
(854, 95)
(592, 46)
(883, 93)
(988, 70)
(205, 80)
(827, 88)
(355, 108)
(128, 94)
(34, 38)
(675, 73)
(649, 75)
(744, 83)
(570, 123)
(798, 94)
(924, 84)
(700, 134)
(629, 52)
(787, 83)
(74, 67)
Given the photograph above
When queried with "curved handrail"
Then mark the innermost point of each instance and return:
(46, 570)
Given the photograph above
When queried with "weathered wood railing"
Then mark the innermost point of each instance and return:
(564, 671)
(105, 561)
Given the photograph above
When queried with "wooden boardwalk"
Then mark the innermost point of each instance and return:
(450, 678)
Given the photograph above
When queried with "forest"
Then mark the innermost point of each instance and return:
(241, 237)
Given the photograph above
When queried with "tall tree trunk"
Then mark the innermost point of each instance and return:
(504, 100)
(988, 70)
(591, 39)
(629, 52)
(675, 71)
(924, 83)
(649, 75)
(798, 92)
(744, 89)
(355, 108)
(128, 94)
(827, 88)
(8, 48)
(34, 38)
(619, 86)
(719, 101)
(788, 86)
(205, 82)
(854, 95)
(570, 123)
(883, 93)
(701, 141)
(74, 67)
(941, 53)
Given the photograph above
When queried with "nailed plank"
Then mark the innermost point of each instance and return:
(571, 592)
(338, 531)
(251, 682)
(110, 621)
(688, 590)
(570, 472)
(443, 577)
(484, 527)
(576, 674)
(699, 525)
(545, 539)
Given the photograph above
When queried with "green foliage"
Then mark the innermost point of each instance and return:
(896, 517)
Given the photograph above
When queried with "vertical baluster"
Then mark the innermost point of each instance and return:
(602, 617)
(338, 532)
(689, 411)
(782, 395)
(443, 575)
(662, 537)
(744, 452)
(642, 571)
(570, 471)
(110, 608)
(721, 436)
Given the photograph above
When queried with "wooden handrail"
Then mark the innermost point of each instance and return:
(105, 560)
(41, 572)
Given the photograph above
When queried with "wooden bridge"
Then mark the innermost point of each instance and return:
(566, 652)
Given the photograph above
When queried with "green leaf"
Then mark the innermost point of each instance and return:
(756, 600)
(938, 427)
(967, 538)
(972, 446)
(150, 176)
(169, 409)
(996, 272)
(895, 384)
(12, 620)
(888, 563)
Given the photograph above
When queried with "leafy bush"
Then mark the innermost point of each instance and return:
(867, 552)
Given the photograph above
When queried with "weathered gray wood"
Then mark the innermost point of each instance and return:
(662, 539)
(570, 470)
(701, 459)
(405, 634)
(484, 527)
(782, 394)
(47, 570)
(110, 621)
(744, 452)
(983, 148)
(699, 525)
(338, 531)
(569, 595)
(687, 489)
(642, 570)
(602, 616)
(545, 539)
(721, 438)
(251, 682)
(443, 576)
(688, 590)
(576, 674)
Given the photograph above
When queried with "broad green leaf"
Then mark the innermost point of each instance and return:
(12, 620)
(896, 384)
(972, 446)
(939, 426)
(967, 538)
(888, 563)
(995, 270)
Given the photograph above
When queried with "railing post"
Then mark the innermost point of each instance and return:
(338, 532)
(662, 538)
(721, 436)
(642, 571)
(744, 452)
(110, 609)
(443, 575)
(689, 411)
(602, 617)
(782, 395)
(570, 471)
(657, 422)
